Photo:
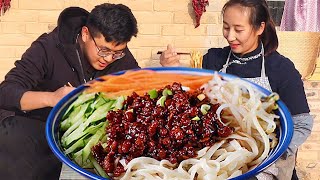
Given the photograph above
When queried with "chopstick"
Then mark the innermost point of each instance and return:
(180, 53)
(69, 84)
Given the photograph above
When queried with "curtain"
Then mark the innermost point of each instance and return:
(301, 15)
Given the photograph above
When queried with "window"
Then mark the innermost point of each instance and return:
(276, 10)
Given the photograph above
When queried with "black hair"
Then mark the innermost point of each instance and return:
(114, 21)
(259, 13)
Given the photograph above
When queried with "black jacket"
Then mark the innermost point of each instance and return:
(283, 76)
(52, 61)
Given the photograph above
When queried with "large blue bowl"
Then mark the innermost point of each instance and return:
(53, 121)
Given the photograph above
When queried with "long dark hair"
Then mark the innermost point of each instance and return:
(115, 21)
(259, 13)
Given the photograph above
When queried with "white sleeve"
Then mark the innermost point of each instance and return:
(302, 125)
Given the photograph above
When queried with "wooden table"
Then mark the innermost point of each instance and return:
(69, 174)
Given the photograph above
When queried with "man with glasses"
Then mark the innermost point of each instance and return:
(83, 46)
(108, 55)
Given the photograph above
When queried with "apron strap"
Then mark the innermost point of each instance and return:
(263, 69)
(225, 66)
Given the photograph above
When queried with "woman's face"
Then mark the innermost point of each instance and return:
(238, 31)
(92, 45)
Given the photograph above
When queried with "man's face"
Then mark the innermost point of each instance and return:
(99, 52)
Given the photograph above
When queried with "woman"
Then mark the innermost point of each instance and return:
(251, 54)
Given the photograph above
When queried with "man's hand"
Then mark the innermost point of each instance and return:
(31, 100)
(57, 95)
(170, 57)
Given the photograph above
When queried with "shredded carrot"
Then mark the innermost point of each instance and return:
(142, 81)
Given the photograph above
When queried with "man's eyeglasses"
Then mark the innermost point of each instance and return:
(104, 53)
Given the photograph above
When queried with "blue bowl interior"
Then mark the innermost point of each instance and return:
(53, 137)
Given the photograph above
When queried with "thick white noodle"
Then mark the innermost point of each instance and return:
(214, 162)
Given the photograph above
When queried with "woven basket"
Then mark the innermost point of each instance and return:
(302, 48)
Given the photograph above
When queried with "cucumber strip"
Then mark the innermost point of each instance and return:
(80, 100)
(99, 113)
(78, 159)
(77, 114)
(80, 115)
(71, 129)
(118, 104)
(66, 122)
(82, 156)
(94, 140)
(77, 145)
(80, 132)
(97, 167)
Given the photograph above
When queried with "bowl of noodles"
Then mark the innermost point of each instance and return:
(169, 123)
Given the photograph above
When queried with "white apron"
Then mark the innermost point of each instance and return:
(261, 81)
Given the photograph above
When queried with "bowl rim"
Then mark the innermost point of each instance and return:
(283, 110)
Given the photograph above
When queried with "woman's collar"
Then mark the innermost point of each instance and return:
(255, 54)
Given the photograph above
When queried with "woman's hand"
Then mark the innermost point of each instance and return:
(169, 57)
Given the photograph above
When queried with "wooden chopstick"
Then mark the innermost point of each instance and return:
(69, 84)
(180, 53)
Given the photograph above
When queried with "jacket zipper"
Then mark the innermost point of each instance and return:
(78, 55)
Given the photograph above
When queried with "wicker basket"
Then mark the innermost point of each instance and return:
(302, 48)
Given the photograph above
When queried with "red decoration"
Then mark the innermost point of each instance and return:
(4, 6)
(199, 7)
